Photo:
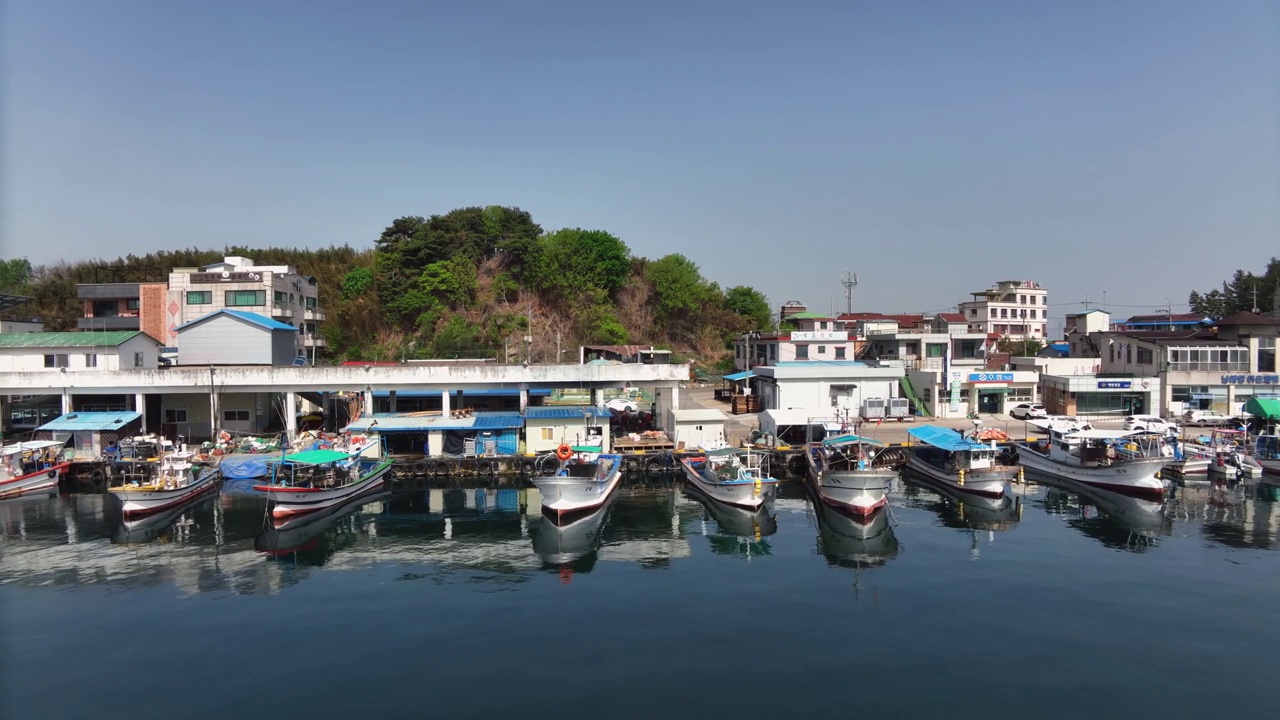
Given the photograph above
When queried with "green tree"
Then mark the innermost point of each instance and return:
(1022, 348)
(14, 274)
(1240, 293)
(567, 261)
(680, 288)
(459, 339)
(357, 282)
(750, 304)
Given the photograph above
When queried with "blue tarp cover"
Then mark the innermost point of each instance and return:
(944, 438)
(847, 439)
(243, 468)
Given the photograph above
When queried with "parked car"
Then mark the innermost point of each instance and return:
(1027, 411)
(622, 404)
(1150, 423)
(1066, 424)
(1203, 418)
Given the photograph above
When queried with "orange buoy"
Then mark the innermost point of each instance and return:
(564, 452)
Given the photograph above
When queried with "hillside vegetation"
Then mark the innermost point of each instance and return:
(474, 282)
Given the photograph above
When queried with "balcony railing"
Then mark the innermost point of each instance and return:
(312, 314)
(281, 311)
(120, 322)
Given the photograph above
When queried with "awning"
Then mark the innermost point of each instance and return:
(1265, 408)
(993, 391)
(735, 377)
(944, 438)
(1206, 396)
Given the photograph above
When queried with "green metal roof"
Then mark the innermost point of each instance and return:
(316, 457)
(110, 338)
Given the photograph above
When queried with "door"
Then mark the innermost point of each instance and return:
(989, 402)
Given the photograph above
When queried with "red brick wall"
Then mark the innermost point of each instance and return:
(151, 302)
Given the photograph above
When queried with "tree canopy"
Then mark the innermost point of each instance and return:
(1240, 293)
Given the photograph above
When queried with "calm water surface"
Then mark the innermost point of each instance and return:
(464, 602)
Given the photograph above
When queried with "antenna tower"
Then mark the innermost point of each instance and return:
(850, 281)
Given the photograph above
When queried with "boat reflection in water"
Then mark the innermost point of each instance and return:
(1117, 520)
(855, 542)
(149, 527)
(964, 510)
(572, 541)
(302, 533)
(738, 530)
(1241, 515)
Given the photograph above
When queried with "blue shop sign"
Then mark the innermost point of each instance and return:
(1115, 384)
(990, 377)
(1251, 379)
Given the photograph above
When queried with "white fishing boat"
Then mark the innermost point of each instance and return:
(176, 482)
(960, 462)
(312, 480)
(581, 482)
(1266, 446)
(32, 467)
(730, 475)
(1126, 461)
(853, 474)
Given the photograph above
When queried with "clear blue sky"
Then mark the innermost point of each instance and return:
(933, 147)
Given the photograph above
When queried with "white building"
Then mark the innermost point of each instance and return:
(697, 427)
(235, 337)
(549, 426)
(78, 351)
(277, 291)
(824, 388)
(943, 341)
(959, 390)
(816, 337)
(1017, 309)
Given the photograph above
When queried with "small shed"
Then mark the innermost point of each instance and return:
(236, 337)
(90, 432)
(697, 427)
(546, 427)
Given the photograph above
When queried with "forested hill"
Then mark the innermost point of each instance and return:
(462, 284)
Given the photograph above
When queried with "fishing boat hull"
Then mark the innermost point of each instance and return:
(139, 503)
(560, 543)
(290, 501)
(1270, 468)
(41, 481)
(1249, 468)
(859, 492)
(1136, 477)
(846, 540)
(293, 534)
(566, 495)
(984, 483)
(739, 493)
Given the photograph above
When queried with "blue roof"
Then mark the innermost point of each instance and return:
(944, 438)
(92, 421)
(1061, 346)
(565, 412)
(498, 421)
(490, 392)
(260, 320)
(850, 439)
(740, 376)
(843, 363)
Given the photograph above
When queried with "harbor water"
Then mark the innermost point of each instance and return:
(463, 602)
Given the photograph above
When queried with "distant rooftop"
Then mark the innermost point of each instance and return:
(92, 421)
(110, 338)
(254, 318)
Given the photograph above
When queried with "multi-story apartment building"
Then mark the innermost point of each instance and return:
(123, 306)
(236, 283)
(1017, 309)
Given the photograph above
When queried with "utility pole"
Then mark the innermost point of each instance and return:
(849, 281)
(557, 347)
(1255, 298)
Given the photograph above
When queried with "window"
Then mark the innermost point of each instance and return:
(280, 298)
(310, 301)
(56, 361)
(822, 325)
(246, 298)
(131, 305)
(1267, 355)
(1128, 353)
(1004, 313)
(993, 313)
(547, 434)
(90, 360)
(200, 297)
(172, 415)
(1022, 299)
(1145, 356)
(802, 352)
(822, 349)
(235, 416)
(137, 359)
(935, 350)
(840, 353)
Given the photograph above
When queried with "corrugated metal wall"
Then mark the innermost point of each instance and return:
(225, 340)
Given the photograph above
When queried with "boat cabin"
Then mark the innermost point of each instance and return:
(845, 453)
(317, 469)
(1091, 448)
(28, 457)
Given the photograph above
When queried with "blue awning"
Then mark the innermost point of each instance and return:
(849, 439)
(944, 438)
(735, 377)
